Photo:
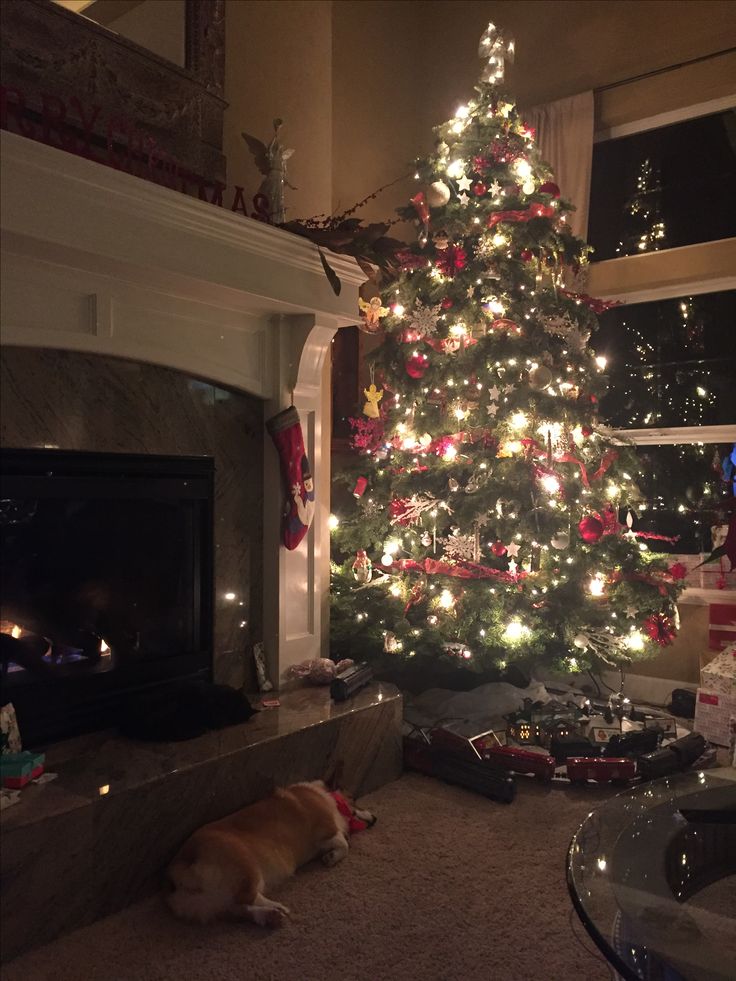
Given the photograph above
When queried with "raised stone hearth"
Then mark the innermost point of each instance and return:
(99, 836)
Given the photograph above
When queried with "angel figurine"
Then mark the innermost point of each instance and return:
(271, 161)
(371, 313)
(373, 396)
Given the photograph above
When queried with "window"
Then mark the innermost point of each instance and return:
(671, 352)
(672, 362)
(664, 188)
(688, 489)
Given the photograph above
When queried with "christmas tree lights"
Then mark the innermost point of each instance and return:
(500, 513)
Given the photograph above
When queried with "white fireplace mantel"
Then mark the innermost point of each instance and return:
(97, 261)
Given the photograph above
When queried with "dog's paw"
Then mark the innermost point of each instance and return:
(274, 918)
(333, 857)
(370, 819)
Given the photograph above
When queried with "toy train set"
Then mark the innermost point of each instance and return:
(483, 764)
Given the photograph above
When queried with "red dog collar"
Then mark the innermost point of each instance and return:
(354, 823)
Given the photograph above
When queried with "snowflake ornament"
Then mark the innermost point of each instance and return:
(460, 547)
(569, 330)
(424, 319)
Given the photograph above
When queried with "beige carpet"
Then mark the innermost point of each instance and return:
(447, 886)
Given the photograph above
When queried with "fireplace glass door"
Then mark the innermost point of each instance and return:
(106, 582)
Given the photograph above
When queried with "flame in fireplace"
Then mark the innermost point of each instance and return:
(11, 629)
(104, 649)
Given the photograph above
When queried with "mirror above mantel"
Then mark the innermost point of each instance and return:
(116, 74)
(158, 27)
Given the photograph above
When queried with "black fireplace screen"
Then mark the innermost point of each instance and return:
(106, 581)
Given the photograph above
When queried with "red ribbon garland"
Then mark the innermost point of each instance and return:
(657, 538)
(421, 207)
(533, 211)
(639, 577)
(606, 461)
(460, 569)
(594, 304)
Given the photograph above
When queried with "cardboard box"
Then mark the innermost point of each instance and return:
(721, 625)
(713, 712)
(719, 674)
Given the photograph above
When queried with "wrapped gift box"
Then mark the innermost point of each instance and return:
(721, 625)
(713, 711)
(18, 769)
(719, 674)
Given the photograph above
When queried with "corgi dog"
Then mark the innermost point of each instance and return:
(229, 867)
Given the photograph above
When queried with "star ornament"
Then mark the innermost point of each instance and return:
(495, 189)
(463, 199)
(512, 550)
(464, 183)
(494, 393)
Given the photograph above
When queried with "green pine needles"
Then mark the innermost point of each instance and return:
(499, 520)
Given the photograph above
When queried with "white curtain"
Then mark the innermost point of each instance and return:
(565, 140)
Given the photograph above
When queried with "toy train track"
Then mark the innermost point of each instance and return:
(442, 753)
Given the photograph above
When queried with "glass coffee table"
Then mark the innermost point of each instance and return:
(652, 875)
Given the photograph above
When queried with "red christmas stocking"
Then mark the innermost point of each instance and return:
(286, 432)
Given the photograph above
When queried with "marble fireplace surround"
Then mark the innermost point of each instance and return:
(99, 262)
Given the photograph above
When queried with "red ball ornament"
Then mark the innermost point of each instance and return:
(586, 431)
(549, 187)
(417, 365)
(479, 189)
(446, 303)
(591, 529)
(660, 628)
(498, 549)
(360, 486)
(526, 255)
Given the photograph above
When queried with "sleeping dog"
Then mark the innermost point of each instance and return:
(230, 866)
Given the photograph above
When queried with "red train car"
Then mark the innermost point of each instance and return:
(601, 770)
(521, 760)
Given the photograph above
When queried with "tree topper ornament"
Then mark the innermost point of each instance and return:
(271, 161)
(371, 312)
(498, 51)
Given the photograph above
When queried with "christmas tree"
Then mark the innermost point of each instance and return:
(645, 230)
(492, 516)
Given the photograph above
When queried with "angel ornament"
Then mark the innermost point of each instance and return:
(373, 397)
(271, 161)
(371, 312)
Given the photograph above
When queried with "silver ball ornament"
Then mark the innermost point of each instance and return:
(560, 540)
(437, 194)
(581, 641)
(540, 377)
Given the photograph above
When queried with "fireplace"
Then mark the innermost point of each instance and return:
(106, 589)
(97, 264)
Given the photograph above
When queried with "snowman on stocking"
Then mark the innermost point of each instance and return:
(286, 432)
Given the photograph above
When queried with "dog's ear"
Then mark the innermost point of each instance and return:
(333, 776)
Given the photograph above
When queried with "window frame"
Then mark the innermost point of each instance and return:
(672, 290)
